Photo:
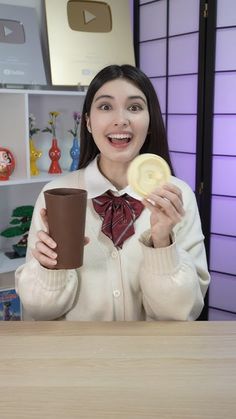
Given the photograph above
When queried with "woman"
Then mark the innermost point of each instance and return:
(158, 272)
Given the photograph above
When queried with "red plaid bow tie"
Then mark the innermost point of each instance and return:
(119, 214)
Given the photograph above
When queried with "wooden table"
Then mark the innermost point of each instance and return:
(161, 370)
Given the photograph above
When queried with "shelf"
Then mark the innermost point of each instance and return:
(43, 92)
(9, 265)
(42, 178)
(46, 177)
(23, 189)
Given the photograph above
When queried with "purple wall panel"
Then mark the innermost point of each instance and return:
(224, 174)
(223, 215)
(218, 315)
(179, 61)
(224, 132)
(226, 15)
(223, 220)
(222, 292)
(184, 167)
(160, 87)
(223, 254)
(184, 16)
(225, 88)
(155, 15)
(182, 133)
(153, 58)
(183, 94)
(225, 57)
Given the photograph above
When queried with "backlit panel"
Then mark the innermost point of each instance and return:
(153, 14)
(182, 133)
(223, 215)
(223, 220)
(153, 58)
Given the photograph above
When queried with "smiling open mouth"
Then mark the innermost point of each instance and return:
(119, 138)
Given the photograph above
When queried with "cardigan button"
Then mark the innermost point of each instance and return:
(114, 254)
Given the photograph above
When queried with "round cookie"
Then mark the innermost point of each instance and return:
(146, 172)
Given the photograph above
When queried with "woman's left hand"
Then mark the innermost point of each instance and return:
(166, 206)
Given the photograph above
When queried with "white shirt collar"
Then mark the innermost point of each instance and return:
(96, 184)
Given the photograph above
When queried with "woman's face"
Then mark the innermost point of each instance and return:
(119, 120)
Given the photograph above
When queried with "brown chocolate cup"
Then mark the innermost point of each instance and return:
(66, 210)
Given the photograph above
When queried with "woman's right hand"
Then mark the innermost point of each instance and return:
(45, 247)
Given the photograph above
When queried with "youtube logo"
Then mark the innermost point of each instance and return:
(12, 32)
(89, 16)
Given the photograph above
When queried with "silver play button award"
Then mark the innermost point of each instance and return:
(12, 31)
(21, 60)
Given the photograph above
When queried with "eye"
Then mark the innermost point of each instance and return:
(135, 107)
(105, 107)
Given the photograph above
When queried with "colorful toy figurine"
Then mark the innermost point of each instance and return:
(7, 163)
(34, 156)
(55, 155)
(34, 153)
(54, 152)
(75, 149)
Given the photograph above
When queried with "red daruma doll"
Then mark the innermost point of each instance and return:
(7, 163)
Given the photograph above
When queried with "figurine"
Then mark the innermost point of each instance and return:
(34, 156)
(34, 153)
(54, 151)
(7, 163)
(75, 149)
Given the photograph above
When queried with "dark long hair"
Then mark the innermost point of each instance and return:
(155, 142)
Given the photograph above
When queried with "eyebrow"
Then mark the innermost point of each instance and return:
(112, 97)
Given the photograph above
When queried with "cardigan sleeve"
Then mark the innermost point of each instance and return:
(174, 279)
(45, 294)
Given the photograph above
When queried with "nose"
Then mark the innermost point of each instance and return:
(121, 119)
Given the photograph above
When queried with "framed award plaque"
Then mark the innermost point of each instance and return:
(21, 60)
(85, 36)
